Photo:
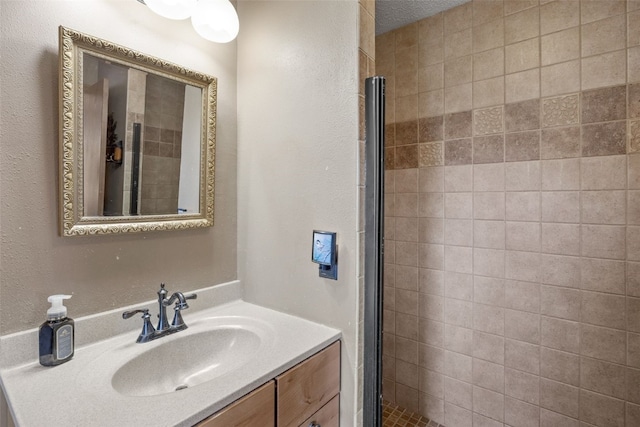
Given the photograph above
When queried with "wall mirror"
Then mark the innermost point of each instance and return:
(137, 140)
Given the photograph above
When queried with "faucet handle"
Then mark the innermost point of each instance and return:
(191, 296)
(129, 314)
(147, 328)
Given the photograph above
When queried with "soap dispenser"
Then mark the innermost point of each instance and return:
(56, 334)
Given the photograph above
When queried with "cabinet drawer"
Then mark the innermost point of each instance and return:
(255, 409)
(327, 416)
(304, 389)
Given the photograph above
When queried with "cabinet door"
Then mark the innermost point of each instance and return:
(327, 416)
(255, 409)
(307, 387)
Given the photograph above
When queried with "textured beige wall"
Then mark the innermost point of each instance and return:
(513, 212)
(107, 271)
(298, 162)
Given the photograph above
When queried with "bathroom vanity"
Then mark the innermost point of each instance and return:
(305, 395)
(235, 360)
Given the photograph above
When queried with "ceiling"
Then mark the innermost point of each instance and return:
(392, 14)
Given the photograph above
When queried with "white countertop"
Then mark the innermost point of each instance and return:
(79, 392)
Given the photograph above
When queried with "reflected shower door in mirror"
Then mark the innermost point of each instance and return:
(137, 140)
(146, 160)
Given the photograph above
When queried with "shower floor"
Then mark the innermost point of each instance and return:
(397, 416)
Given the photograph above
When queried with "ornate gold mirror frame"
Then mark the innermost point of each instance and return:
(75, 219)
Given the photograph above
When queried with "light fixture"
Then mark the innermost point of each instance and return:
(172, 9)
(215, 20)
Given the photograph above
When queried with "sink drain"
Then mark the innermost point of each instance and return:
(181, 387)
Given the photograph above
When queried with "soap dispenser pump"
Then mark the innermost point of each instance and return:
(56, 334)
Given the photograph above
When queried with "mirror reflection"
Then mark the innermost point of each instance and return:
(137, 140)
(142, 141)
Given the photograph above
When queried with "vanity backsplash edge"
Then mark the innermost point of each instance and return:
(22, 347)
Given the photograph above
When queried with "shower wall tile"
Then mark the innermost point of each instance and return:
(595, 10)
(513, 6)
(431, 205)
(488, 92)
(598, 409)
(488, 403)
(522, 176)
(603, 173)
(603, 343)
(430, 129)
(560, 366)
(488, 375)
(634, 136)
(488, 290)
(488, 121)
(604, 139)
(458, 152)
(458, 98)
(560, 334)
(489, 35)
(560, 111)
(603, 207)
(560, 78)
(488, 149)
(488, 177)
(458, 178)
(607, 104)
(522, 86)
(456, 416)
(489, 234)
(488, 64)
(458, 393)
(603, 275)
(559, 15)
(512, 221)
(523, 115)
(486, 10)
(522, 356)
(562, 239)
(559, 302)
(524, 55)
(607, 69)
(522, 146)
(488, 347)
(458, 125)
(605, 35)
(559, 397)
(458, 366)
(560, 206)
(522, 206)
(603, 377)
(520, 413)
(562, 174)
(489, 262)
(524, 296)
(560, 47)
(560, 270)
(521, 26)
(561, 142)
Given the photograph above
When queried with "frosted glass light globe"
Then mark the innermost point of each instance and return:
(215, 20)
(172, 9)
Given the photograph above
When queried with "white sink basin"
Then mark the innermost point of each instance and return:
(183, 361)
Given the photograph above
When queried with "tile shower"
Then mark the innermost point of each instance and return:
(512, 217)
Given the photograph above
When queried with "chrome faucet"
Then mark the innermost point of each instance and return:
(164, 328)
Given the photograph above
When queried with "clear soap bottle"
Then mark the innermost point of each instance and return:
(56, 337)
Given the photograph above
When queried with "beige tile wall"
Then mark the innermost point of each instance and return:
(512, 224)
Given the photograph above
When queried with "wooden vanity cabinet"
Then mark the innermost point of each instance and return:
(307, 387)
(306, 395)
(255, 409)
